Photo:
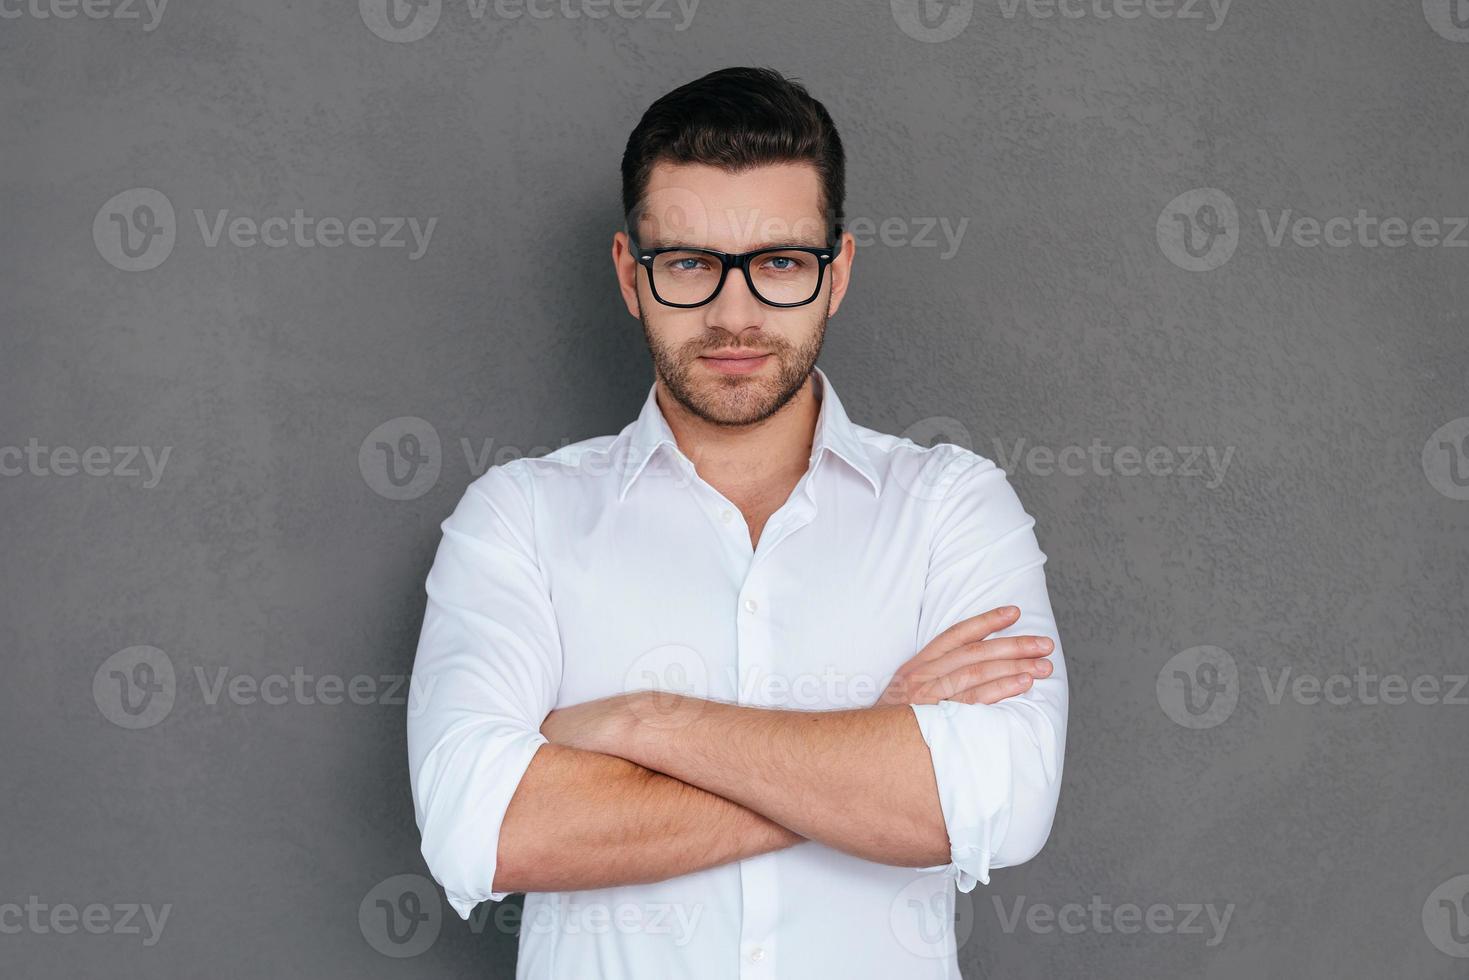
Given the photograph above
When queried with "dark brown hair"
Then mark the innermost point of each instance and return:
(735, 119)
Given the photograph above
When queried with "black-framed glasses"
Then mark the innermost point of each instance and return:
(686, 277)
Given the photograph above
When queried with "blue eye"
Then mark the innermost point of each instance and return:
(792, 263)
(685, 263)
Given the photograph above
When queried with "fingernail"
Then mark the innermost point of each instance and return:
(1010, 610)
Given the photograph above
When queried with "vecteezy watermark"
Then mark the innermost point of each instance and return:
(138, 688)
(401, 916)
(927, 479)
(1363, 230)
(1446, 917)
(678, 214)
(901, 232)
(1212, 12)
(1126, 918)
(1200, 687)
(675, 668)
(1448, 18)
(927, 918)
(303, 688)
(135, 688)
(401, 21)
(1446, 459)
(1364, 686)
(674, 920)
(34, 459)
(119, 10)
(1206, 463)
(136, 230)
(933, 21)
(98, 919)
(403, 458)
(1199, 230)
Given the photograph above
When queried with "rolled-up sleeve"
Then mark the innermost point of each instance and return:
(485, 676)
(997, 766)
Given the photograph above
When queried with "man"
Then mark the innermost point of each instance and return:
(746, 689)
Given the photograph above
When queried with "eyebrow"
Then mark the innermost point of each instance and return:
(782, 243)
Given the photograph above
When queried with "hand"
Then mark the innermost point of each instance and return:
(960, 664)
(596, 726)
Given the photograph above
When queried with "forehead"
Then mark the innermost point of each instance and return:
(694, 203)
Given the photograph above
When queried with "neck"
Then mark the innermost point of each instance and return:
(741, 460)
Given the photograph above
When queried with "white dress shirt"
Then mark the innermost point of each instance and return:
(609, 566)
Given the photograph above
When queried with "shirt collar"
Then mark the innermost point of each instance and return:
(835, 434)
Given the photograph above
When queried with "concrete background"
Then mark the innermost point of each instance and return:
(269, 551)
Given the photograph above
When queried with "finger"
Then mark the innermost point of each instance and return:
(969, 630)
(995, 648)
(976, 675)
(995, 691)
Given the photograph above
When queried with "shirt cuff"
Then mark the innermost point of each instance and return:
(473, 869)
(969, 746)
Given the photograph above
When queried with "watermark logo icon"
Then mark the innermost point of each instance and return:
(135, 230)
(923, 478)
(400, 21)
(672, 669)
(1446, 917)
(135, 688)
(401, 916)
(1199, 229)
(932, 21)
(927, 918)
(1199, 687)
(1446, 459)
(1448, 18)
(401, 459)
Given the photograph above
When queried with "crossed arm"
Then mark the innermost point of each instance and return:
(655, 806)
(510, 795)
(664, 784)
(582, 819)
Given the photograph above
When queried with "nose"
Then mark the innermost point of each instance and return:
(736, 308)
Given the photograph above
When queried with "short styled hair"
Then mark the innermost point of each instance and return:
(735, 119)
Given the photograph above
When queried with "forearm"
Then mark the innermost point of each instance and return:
(582, 819)
(860, 780)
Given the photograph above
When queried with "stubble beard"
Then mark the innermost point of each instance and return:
(733, 400)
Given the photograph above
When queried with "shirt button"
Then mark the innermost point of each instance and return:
(727, 516)
(757, 954)
(751, 605)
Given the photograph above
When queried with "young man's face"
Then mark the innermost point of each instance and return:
(774, 348)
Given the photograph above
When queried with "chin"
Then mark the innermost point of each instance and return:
(740, 403)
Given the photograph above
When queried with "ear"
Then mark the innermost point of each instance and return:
(841, 271)
(625, 266)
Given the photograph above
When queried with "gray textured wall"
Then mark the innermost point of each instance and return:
(205, 650)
